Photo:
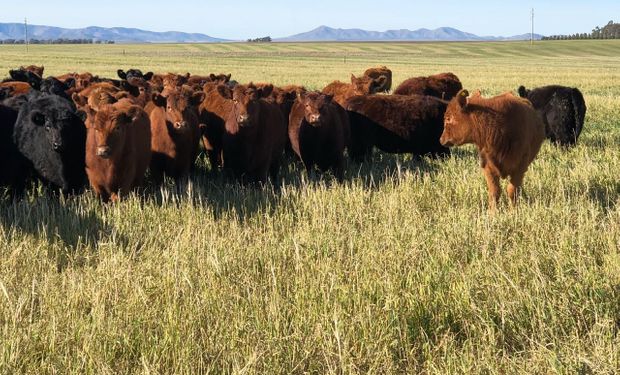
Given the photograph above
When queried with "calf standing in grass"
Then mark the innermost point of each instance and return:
(319, 132)
(507, 131)
(563, 111)
(175, 133)
(254, 135)
(396, 124)
(118, 148)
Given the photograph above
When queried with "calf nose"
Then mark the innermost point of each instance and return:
(242, 119)
(315, 118)
(180, 124)
(103, 151)
(57, 146)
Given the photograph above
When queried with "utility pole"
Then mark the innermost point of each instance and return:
(26, 30)
(532, 34)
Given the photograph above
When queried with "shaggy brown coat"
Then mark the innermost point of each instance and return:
(118, 148)
(213, 112)
(444, 86)
(376, 73)
(507, 131)
(396, 124)
(359, 86)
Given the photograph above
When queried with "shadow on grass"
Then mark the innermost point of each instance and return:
(70, 226)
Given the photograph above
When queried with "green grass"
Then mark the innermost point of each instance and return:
(400, 269)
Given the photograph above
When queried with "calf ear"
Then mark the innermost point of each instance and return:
(158, 99)
(461, 98)
(224, 91)
(522, 91)
(213, 77)
(353, 78)
(121, 74)
(328, 98)
(228, 77)
(148, 76)
(197, 98)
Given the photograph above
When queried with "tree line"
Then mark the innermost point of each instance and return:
(56, 41)
(266, 39)
(609, 31)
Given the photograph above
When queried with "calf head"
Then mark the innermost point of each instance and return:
(108, 125)
(181, 109)
(523, 92)
(220, 78)
(27, 76)
(54, 86)
(457, 122)
(366, 85)
(246, 102)
(315, 106)
(133, 73)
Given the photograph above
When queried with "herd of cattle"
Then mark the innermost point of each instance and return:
(78, 128)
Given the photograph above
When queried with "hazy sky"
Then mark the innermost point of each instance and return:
(240, 19)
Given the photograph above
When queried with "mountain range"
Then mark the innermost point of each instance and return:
(117, 34)
(326, 33)
(320, 34)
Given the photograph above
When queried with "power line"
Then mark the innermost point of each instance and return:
(26, 31)
(532, 34)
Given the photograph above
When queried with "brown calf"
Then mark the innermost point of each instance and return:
(444, 86)
(175, 133)
(213, 112)
(358, 86)
(507, 131)
(118, 148)
(319, 132)
(376, 73)
(255, 134)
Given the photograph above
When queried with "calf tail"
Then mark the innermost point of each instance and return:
(579, 106)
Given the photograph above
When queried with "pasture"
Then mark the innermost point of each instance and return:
(399, 269)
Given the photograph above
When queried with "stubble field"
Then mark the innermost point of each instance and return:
(400, 269)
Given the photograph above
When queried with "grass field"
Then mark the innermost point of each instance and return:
(400, 269)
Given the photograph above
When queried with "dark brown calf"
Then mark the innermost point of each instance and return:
(507, 131)
(255, 134)
(396, 124)
(213, 113)
(444, 86)
(319, 132)
(175, 133)
(118, 148)
(359, 86)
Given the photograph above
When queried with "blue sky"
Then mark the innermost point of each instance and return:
(240, 19)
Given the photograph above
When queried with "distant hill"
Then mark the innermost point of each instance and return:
(326, 33)
(117, 34)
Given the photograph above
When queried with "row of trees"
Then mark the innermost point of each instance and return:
(266, 39)
(610, 31)
(56, 41)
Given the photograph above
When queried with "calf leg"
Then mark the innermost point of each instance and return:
(493, 187)
(514, 188)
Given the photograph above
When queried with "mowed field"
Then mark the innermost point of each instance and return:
(400, 269)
